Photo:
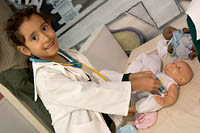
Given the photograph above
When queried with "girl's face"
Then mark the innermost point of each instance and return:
(40, 38)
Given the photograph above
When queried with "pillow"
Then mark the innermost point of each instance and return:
(9, 56)
(128, 38)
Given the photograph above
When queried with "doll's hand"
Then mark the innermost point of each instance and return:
(147, 74)
(192, 55)
(186, 30)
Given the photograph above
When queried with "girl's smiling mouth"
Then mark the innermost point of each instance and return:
(50, 45)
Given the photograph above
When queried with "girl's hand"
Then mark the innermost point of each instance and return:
(147, 74)
(145, 84)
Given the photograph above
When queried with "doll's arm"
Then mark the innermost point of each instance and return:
(170, 98)
(131, 112)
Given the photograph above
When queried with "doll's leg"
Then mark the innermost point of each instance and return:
(145, 120)
(194, 53)
(148, 104)
(194, 50)
(132, 109)
(131, 112)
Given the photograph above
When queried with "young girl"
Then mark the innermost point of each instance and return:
(75, 97)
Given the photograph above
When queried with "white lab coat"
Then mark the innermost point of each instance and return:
(75, 104)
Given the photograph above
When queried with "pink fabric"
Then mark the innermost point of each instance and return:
(145, 120)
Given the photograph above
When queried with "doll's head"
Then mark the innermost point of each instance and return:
(180, 71)
(168, 32)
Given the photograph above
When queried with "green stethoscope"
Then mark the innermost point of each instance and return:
(74, 63)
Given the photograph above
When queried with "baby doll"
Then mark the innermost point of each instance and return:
(180, 43)
(175, 75)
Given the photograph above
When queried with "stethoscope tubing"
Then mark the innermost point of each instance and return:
(74, 63)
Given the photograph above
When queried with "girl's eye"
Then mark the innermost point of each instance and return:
(34, 38)
(44, 28)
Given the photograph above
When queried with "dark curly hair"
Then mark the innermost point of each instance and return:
(15, 21)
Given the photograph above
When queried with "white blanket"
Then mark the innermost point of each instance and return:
(144, 62)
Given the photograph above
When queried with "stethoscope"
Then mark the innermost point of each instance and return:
(73, 62)
(161, 90)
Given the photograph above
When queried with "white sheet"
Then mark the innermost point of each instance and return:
(184, 115)
(144, 62)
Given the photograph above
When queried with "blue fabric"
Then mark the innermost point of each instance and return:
(175, 40)
(127, 129)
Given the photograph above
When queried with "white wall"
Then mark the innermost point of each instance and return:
(111, 10)
(12, 121)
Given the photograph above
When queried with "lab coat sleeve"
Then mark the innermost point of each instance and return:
(111, 97)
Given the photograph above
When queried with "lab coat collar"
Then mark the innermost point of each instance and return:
(38, 65)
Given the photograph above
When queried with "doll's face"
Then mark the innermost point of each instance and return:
(180, 71)
(168, 32)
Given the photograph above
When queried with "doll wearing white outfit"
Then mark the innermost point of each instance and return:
(174, 75)
(148, 101)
